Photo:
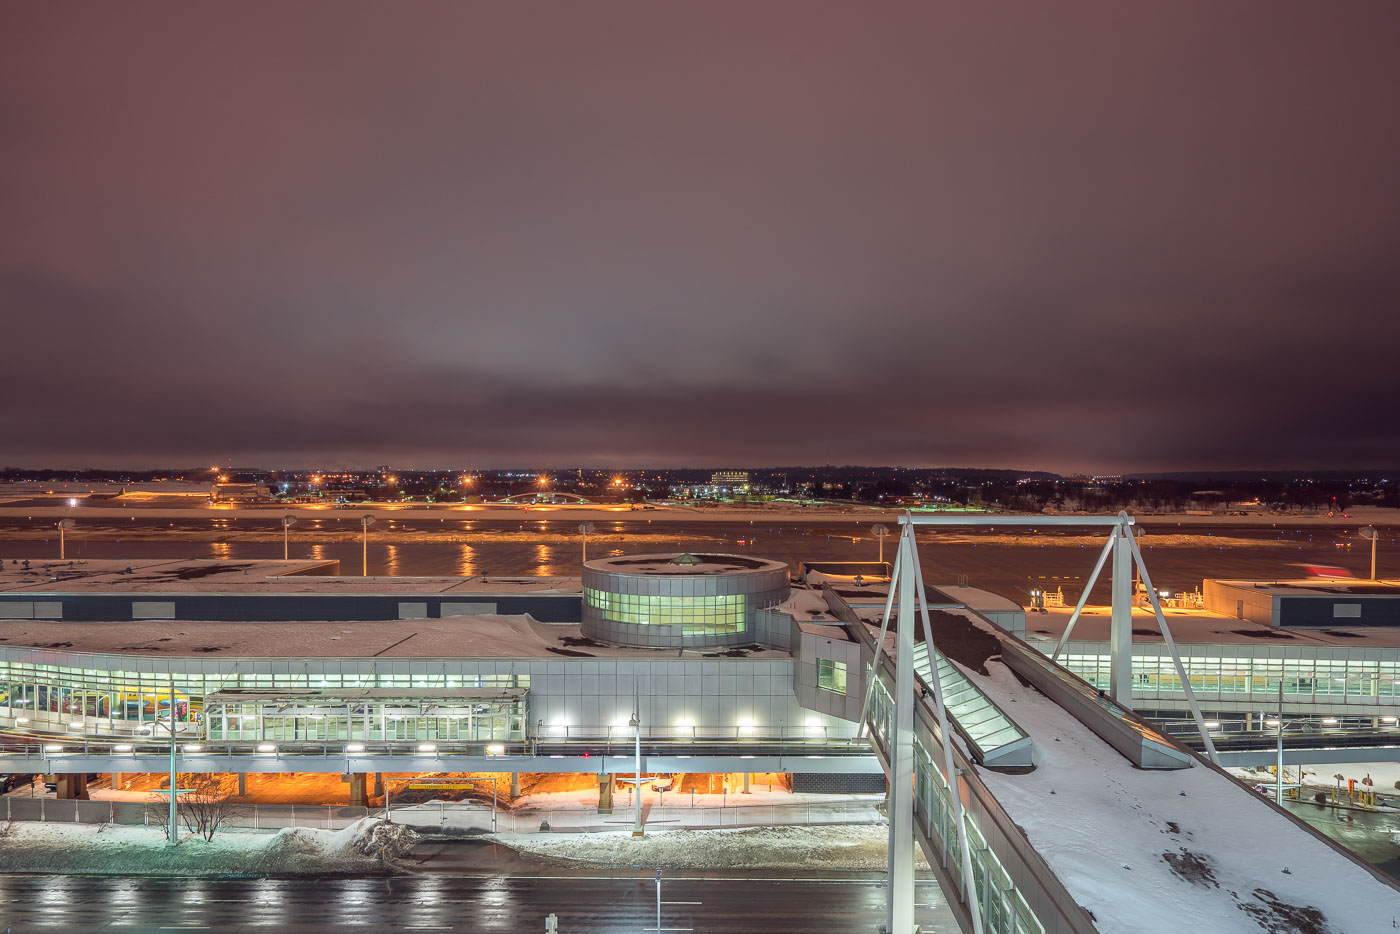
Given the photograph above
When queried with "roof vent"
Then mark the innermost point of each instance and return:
(686, 559)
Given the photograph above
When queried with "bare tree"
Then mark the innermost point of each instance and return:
(205, 804)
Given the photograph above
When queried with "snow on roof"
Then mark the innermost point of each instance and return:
(482, 636)
(204, 575)
(1202, 627)
(1160, 852)
(684, 563)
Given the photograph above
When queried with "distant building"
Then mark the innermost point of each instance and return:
(240, 493)
(731, 481)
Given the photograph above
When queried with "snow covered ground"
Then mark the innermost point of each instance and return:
(116, 850)
(1162, 852)
(838, 847)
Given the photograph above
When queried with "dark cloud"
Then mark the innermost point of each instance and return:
(1092, 236)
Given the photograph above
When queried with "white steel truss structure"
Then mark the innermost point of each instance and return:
(905, 592)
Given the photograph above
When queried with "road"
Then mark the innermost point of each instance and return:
(510, 904)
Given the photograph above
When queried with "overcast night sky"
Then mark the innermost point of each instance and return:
(1097, 237)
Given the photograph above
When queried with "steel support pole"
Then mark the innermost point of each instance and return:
(172, 835)
(1120, 672)
(1278, 778)
(1084, 597)
(900, 914)
(637, 830)
(879, 647)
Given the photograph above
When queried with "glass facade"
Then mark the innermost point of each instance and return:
(831, 675)
(711, 614)
(332, 719)
(1004, 908)
(1301, 677)
(122, 700)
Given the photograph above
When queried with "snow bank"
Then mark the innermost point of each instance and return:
(367, 846)
(845, 846)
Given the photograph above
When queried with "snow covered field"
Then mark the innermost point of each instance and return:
(835, 847)
(114, 850)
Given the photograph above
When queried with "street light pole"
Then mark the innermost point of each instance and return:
(287, 522)
(365, 522)
(636, 724)
(880, 530)
(63, 526)
(584, 528)
(1373, 534)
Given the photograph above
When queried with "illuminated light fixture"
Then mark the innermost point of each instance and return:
(1212, 725)
(76, 725)
(1383, 720)
(427, 747)
(19, 720)
(1271, 723)
(1330, 721)
(72, 502)
(685, 724)
(266, 747)
(746, 725)
(495, 749)
(53, 749)
(355, 747)
(746, 757)
(122, 747)
(193, 747)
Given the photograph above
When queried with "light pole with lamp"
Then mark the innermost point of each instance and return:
(63, 526)
(584, 528)
(636, 724)
(288, 521)
(880, 530)
(1372, 533)
(365, 522)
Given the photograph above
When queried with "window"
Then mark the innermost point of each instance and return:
(831, 675)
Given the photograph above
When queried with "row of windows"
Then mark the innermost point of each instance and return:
(1310, 677)
(708, 615)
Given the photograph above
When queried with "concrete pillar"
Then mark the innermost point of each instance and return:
(359, 796)
(116, 781)
(1120, 673)
(379, 784)
(605, 793)
(747, 776)
(73, 786)
(515, 784)
(242, 783)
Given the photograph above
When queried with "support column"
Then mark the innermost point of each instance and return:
(116, 781)
(1120, 673)
(73, 786)
(747, 777)
(900, 918)
(242, 784)
(515, 784)
(359, 790)
(379, 784)
(605, 793)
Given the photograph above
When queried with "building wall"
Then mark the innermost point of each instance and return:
(1240, 602)
(114, 607)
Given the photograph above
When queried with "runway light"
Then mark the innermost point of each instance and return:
(122, 747)
(266, 747)
(355, 747)
(427, 747)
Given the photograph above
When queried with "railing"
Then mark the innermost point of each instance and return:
(458, 817)
(795, 741)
